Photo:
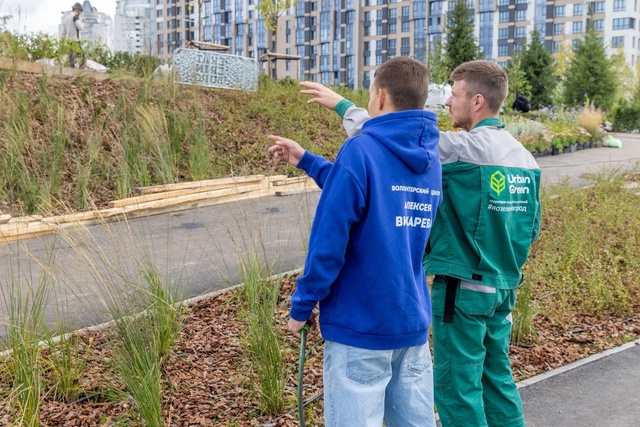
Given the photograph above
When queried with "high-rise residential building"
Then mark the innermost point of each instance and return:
(341, 42)
(502, 27)
(132, 26)
(172, 25)
(98, 26)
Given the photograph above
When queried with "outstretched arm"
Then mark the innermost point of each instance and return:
(286, 150)
(321, 95)
(289, 151)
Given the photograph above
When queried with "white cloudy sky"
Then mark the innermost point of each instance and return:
(34, 16)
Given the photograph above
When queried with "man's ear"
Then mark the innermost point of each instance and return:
(478, 102)
(383, 98)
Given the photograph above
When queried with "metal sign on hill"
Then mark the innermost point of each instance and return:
(213, 69)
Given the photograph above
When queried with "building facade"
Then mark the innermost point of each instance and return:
(132, 26)
(172, 25)
(341, 42)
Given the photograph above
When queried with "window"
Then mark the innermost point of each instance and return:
(577, 9)
(598, 25)
(555, 47)
(393, 28)
(521, 15)
(367, 16)
(617, 41)
(378, 59)
(623, 23)
(405, 10)
(598, 7)
(379, 14)
(558, 29)
(619, 5)
(558, 11)
(503, 2)
(405, 27)
(159, 13)
(577, 27)
(503, 34)
(503, 17)
(379, 45)
(392, 44)
(405, 42)
(503, 50)
(393, 13)
(159, 26)
(380, 29)
(521, 32)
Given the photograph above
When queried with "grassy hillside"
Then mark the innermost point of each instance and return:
(66, 144)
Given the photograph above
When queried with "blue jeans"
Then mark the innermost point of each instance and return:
(366, 387)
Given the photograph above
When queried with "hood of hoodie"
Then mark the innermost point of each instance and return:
(400, 137)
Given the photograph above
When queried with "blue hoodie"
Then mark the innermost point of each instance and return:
(369, 233)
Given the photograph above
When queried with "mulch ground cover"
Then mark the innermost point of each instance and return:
(209, 381)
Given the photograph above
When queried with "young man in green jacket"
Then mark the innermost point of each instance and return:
(489, 217)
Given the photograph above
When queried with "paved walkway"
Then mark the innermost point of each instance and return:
(199, 249)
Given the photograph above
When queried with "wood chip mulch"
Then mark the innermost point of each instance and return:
(208, 378)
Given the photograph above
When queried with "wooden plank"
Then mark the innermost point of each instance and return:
(169, 194)
(4, 218)
(194, 198)
(76, 217)
(221, 182)
(292, 180)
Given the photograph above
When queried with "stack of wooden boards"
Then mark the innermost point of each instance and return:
(161, 198)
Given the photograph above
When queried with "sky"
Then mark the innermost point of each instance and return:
(34, 16)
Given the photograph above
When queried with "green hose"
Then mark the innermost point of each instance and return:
(303, 346)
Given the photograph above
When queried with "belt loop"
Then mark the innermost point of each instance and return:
(450, 298)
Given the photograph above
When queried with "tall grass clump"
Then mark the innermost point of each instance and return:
(67, 363)
(145, 334)
(26, 304)
(586, 257)
(590, 118)
(260, 300)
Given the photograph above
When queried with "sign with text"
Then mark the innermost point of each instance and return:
(213, 69)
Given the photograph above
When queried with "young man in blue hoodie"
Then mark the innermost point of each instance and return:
(364, 266)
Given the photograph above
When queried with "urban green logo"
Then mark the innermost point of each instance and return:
(498, 183)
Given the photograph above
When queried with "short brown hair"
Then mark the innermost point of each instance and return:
(486, 78)
(406, 80)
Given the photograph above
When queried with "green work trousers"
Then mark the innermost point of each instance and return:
(473, 383)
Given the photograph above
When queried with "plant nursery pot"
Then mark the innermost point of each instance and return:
(556, 151)
(566, 149)
(574, 147)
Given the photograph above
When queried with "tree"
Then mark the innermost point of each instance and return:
(437, 63)
(624, 74)
(538, 66)
(271, 10)
(590, 76)
(461, 45)
(518, 82)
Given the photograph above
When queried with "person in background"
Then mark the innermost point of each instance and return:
(71, 27)
(488, 219)
(364, 266)
(521, 104)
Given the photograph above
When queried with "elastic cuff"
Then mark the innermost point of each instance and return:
(343, 106)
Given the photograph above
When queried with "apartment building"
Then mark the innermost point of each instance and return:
(172, 25)
(132, 27)
(502, 27)
(341, 42)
